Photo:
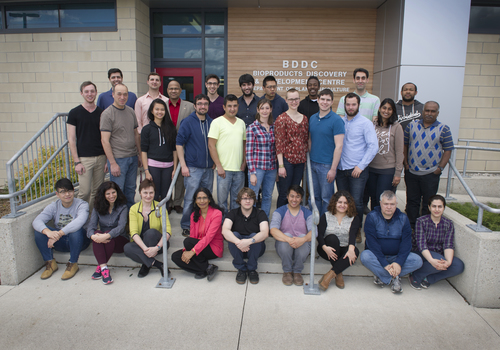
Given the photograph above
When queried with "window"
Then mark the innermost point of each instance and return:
(484, 17)
(59, 17)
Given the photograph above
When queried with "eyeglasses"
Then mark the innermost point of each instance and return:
(202, 104)
(212, 84)
(202, 199)
(293, 99)
(64, 192)
(271, 87)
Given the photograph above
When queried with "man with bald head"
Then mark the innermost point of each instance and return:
(428, 146)
(121, 142)
(178, 109)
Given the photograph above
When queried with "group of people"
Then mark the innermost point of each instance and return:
(253, 143)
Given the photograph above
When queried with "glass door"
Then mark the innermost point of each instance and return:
(190, 80)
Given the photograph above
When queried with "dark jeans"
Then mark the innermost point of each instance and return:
(256, 251)
(433, 275)
(355, 186)
(198, 263)
(104, 251)
(150, 238)
(162, 178)
(73, 243)
(419, 188)
(378, 183)
(294, 173)
(340, 264)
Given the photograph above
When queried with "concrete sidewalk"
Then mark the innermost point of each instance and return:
(131, 314)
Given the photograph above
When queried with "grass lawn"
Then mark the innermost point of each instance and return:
(469, 210)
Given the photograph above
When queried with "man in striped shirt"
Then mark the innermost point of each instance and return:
(428, 146)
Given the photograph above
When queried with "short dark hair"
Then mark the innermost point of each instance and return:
(326, 92)
(114, 70)
(246, 78)
(268, 78)
(231, 98)
(87, 83)
(201, 97)
(297, 189)
(362, 70)
(437, 197)
(245, 190)
(146, 183)
(312, 77)
(153, 74)
(352, 95)
(212, 76)
(402, 87)
(64, 184)
(394, 116)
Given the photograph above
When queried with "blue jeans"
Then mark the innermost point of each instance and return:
(433, 275)
(127, 181)
(256, 251)
(292, 259)
(370, 261)
(294, 173)
(355, 186)
(230, 185)
(323, 190)
(198, 177)
(266, 179)
(378, 183)
(73, 243)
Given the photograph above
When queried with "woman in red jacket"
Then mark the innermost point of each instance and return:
(205, 241)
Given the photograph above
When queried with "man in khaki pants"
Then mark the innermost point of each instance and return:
(84, 139)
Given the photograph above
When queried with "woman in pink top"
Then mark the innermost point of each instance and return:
(205, 241)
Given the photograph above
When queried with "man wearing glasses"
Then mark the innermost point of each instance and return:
(216, 108)
(69, 214)
(270, 88)
(194, 156)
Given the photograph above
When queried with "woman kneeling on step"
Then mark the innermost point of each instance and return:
(337, 230)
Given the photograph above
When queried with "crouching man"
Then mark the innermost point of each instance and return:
(245, 229)
(69, 214)
(388, 244)
(291, 226)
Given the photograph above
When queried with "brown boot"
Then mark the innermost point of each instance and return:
(324, 282)
(287, 278)
(50, 268)
(339, 281)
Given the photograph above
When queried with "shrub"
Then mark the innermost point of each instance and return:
(469, 210)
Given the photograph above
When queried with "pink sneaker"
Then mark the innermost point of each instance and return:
(97, 274)
(106, 277)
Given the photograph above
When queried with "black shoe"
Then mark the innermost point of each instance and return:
(241, 277)
(185, 232)
(253, 277)
(211, 271)
(200, 275)
(143, 272)
(159, 266)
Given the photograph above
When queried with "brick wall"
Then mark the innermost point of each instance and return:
(480, 117)
(40, 73)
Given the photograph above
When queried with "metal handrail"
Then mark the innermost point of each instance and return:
(57, 135)
(468, 147)
(161, 210)
(478, 227)
(311, 288)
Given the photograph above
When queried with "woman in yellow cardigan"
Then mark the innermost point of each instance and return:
(146, 231)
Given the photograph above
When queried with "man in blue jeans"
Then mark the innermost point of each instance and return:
(69, 214)
(326, 137)
(245, 229)
(121, 142)
(194, 157)
(360, 147)
(388, 244)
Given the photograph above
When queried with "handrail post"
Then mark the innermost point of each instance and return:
(311, 288)
(68, 164)
(448, 184)
(12, 188)
(304, 183)
(465, 158)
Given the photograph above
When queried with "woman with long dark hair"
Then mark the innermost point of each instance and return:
(159, 156)
(385, 169)
(110, 214)
(205, 241)
(337, 230)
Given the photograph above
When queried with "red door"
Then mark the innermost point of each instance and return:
(189, 78)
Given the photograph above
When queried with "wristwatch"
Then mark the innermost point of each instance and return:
(440, 167)
(253, 240)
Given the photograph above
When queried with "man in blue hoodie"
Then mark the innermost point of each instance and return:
(388, 244)
(194, 156)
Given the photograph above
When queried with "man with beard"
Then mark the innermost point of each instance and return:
(216, 109)
(309, 105)
(368, 107)
(408, 108)
(247, 103)
(360, 147)
(106, 99)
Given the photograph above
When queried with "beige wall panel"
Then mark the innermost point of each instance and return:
(287, 42)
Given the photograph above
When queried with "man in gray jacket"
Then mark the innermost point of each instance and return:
(69, 214)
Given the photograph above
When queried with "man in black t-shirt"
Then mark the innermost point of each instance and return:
(246, 228)
(84, 138)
